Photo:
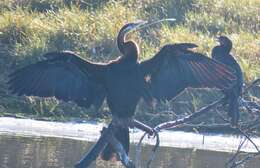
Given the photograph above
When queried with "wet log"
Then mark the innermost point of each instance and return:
(118, 147)
(107, 137)
(95, 150)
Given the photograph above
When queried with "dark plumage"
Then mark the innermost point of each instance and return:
(122, 81)
(222, 54)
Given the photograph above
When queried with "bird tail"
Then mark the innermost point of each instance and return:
(122, 135)
(233, 110)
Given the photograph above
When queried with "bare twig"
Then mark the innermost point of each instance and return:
(248, 137)
(250, 105)
(247, 158)
(138, 151)
(246, 133)
(233, 158)
(172, 124)
(189, 118)
(152, 155)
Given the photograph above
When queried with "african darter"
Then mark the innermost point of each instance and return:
(222, 54)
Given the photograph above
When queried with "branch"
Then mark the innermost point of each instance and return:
(250, 104)
(143, 127)
(172, 124)
(248, 137)
(233, 158)
(152, 155)
(189, 118)
(247, 158)
(236, 161)
(117, 146)
(95, 150)
(106, 137)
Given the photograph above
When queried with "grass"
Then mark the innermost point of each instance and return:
(29, 28)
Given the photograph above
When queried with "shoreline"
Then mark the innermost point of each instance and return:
(90, 131)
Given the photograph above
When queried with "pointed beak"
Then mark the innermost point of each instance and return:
(139, 23)
(135, 25)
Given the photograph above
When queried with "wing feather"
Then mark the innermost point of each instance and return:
(191, 69)
(63, 75)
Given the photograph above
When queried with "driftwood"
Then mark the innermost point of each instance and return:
(107, 137)
(95, 150)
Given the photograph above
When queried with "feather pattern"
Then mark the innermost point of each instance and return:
(175, 68)
(63, 75)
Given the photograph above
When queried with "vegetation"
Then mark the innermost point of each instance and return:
(29, 28)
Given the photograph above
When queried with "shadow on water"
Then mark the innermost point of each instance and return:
(53, 152)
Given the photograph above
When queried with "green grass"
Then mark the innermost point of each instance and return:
(29, 28)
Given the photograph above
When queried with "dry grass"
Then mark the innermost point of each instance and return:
(29, 28)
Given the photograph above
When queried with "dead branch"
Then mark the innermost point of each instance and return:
(189, 118)
(243, 128)
(95, 150)
(246, 132)
(233, 158)
(248, 137)
(107, 137)
(117, 146)
(250, 105)
(143, 127)
(152, 155)
(246, 159)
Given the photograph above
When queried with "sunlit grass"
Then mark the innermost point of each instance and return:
(29, 28)
(225, 16)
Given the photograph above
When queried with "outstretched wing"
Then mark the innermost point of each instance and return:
(63, 75)
(175, 68)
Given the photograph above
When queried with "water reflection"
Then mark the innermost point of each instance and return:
(48, 152)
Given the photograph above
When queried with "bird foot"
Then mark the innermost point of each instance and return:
(155, 132)
(150, 131)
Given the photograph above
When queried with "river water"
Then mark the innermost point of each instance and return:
(26, 143)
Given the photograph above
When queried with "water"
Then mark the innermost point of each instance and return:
(38, 144)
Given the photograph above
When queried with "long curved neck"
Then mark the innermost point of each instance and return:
(129, 49)
(121, 40)
(227, 46)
